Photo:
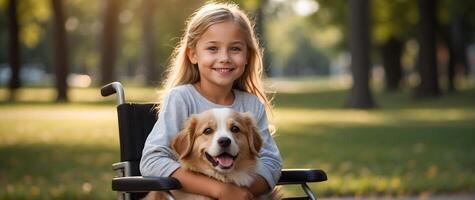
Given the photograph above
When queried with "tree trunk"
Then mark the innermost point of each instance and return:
(260, 24)
(151, 72)
(429, 85)
(109, 41)
(392, 51)
(457, 55)
(60, 51)
(360, 95)
(13, 50)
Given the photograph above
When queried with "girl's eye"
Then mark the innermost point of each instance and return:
(234, 129)
(207, 131)
(212, 48)
(235, 49)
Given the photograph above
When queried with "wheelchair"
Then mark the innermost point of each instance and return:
(136, 120)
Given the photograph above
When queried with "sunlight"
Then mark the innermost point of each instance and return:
(305, 7)
(79, 80)
(434, 115)
(285, 117)
(72, 24)
(312, 84)
(83, 125)
(293, 116)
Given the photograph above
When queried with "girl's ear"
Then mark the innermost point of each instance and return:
(191, 53)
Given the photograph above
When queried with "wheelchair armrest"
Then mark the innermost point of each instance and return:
(144, 184)
(298, 176)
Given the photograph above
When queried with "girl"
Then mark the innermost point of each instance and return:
(217, 64)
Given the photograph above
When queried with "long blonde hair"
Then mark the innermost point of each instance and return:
(182, 71)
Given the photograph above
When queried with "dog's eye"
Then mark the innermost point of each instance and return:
(234, 129)
(207, 131)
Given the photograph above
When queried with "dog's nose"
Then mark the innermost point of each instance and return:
(224, 142)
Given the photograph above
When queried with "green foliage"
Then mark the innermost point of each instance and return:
(307, 59)
(303, 47)
(331, 21)
(170, 28)
(282, 30)
(31, 16)
(449, 10)
(64, 151)
(325, 30)
(397, 19)
(83, 25)
(248, 5)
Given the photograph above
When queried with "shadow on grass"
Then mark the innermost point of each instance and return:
(40, 171)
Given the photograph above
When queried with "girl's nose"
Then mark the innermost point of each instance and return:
(224, 57)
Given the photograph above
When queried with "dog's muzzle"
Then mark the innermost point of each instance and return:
(223, 160)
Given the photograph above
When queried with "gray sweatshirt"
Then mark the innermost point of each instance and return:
(158, 159)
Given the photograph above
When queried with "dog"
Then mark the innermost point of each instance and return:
(223, 144)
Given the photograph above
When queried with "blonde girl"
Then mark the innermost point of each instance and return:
(217, 64)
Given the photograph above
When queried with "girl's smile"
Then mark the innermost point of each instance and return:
(224, 71)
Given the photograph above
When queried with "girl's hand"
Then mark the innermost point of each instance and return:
(233, 192)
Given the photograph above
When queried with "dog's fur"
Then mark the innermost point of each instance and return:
(222, 144)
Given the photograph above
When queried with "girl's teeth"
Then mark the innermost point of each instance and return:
(223, 70)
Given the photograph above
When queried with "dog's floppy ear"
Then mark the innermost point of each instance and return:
(183, 142)
(254, 137)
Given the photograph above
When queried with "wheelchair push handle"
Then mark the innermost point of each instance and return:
(112, 88)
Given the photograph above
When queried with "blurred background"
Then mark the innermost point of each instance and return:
(380, 94)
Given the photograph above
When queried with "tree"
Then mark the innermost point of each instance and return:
(260, 30)
(307, 59)
(109, 41)
(457, 56)
(390, 30)
(148, 42)
(31, 33)
(392, 51)
(332, 16)
(455, 19)
(13, 49)
(429, 85)
(60, 51)
(360, 94)
(168, 26)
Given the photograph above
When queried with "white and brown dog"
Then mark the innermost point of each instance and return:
(222, 144)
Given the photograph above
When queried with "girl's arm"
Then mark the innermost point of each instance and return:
(199, 184)
(270, 162)
(259, 186)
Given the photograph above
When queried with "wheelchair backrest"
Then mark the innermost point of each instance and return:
(135, 123)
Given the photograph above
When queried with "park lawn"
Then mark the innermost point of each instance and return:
(64, 151)
(403, 147)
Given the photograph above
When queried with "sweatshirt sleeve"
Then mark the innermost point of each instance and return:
(270, 164)
(158, 159)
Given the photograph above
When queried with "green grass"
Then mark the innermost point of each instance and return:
(405, 146)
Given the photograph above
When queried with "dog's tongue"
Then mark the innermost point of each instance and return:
(225, 160)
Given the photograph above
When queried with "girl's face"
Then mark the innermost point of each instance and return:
(221, 54)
